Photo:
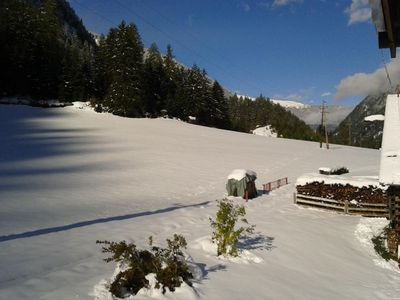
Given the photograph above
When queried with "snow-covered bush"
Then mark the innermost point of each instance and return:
(225, 235)
(380, 244)
(168, 265)
(335, 171)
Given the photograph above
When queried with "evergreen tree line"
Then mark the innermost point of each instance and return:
(132, 82)
(45, 59)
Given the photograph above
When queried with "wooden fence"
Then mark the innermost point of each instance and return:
(273, 185)
(363, 209)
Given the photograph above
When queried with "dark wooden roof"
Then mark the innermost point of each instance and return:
(391, 37)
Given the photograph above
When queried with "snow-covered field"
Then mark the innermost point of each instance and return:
(69, 177)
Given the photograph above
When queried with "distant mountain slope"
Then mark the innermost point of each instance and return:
(363, 133)
(289, 104)
(46, 52)
(246, 114)
(72, 23)
(311, 115)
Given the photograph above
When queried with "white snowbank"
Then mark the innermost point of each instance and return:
(239, 174)
(244, 256)
(101, 292)
(357, 181)
(267, 131)
(365, 231)
(374, 118)
(325, 169)
(82, 106)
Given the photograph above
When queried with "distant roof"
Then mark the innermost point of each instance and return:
(386, 17)
(390, 152)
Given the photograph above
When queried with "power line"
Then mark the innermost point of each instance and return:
(222, 69)
(188, 48)
(193, 36)
(93, 11)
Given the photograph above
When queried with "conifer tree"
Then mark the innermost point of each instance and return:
(102, 75)
(173, 77)
(219, 107)
(154, 81)
(49, 52)
(18, 23)
(125, 61)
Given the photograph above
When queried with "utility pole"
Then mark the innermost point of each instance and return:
(349, 126)
(323, 126)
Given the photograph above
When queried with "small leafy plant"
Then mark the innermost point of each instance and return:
(167, 264)
(379, 243)
(225, 235)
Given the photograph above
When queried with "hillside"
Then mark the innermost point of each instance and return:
(247, 114)
(46, 51)
(363, 133)
(71, 176)
(311, 115)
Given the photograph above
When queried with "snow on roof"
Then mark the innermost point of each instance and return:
(374, 118)
(390, 153)
(239, 174)
(357, 181)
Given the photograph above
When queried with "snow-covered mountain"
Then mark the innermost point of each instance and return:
(290, 104)
(283, 103)
(364, 133)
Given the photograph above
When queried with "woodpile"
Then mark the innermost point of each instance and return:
(341, 192)
(393, 244)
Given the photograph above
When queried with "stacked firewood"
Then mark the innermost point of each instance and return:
(339, 192)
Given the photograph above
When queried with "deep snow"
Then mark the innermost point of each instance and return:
(71, 176)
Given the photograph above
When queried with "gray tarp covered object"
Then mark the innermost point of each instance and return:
(238, 188)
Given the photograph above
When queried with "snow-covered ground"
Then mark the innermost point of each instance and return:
(69, 177)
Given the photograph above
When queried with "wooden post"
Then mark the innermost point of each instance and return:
(390, 208)
(397, 214)
(246, 193)
(346, 207)
(294, 198)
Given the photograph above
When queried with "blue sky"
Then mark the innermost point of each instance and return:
(303, 50)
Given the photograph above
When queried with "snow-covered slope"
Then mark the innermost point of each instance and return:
(69, 177)
(266, 131)
(283, 103)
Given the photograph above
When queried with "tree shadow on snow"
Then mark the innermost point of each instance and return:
(256, 241)
(202, 270)
(49, 230)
